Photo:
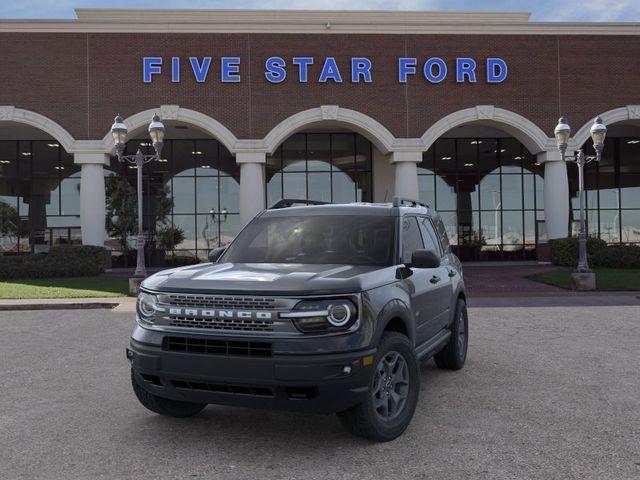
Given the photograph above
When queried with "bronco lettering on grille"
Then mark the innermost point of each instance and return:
(211, 313)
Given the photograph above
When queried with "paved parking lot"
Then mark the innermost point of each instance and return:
(551, 392)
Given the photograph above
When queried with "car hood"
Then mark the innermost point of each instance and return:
(270, 278)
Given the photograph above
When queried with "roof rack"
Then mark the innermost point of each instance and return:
(410, 202)
(292, 202)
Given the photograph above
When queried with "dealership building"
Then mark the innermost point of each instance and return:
(455, 109)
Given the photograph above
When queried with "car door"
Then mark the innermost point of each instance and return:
(420, 283)
(441, 279)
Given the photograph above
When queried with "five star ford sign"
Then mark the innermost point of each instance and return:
(361, 69)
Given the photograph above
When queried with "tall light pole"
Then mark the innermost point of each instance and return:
(156, 132)
(598, 132)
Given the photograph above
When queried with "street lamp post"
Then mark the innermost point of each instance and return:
(598, 132)
(156, 132)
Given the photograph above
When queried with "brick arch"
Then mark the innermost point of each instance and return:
(373, 130)
(9, 113)
(521, 128)
(177, 113)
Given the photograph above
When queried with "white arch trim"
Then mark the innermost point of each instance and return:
(177, 113)
(10, 113)
(531, 136)
(621, 114)
(382, 138)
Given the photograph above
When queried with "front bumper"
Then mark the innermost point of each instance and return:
(319, 383)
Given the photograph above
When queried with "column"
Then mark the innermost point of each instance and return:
(406, 165)
(556, 194)
(252, 194)
(92, 197)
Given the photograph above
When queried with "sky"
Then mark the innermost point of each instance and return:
(542, 10)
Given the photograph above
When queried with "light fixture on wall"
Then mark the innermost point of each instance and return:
(156, 133)
(598, 132)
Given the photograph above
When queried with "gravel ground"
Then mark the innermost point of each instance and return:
(549, 392)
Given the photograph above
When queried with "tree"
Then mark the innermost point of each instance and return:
(122, 208)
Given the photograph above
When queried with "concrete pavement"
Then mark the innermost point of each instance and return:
(549, 392)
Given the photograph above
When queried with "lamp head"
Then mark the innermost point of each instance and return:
(156, 132)
(562, 133)
(598, 132)
(119, 133)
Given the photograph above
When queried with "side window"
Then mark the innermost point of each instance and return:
(411, 238)
(442, 234)
(429, 236)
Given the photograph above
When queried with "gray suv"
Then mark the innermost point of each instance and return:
(313, 308)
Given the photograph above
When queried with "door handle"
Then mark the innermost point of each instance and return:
(435, 279)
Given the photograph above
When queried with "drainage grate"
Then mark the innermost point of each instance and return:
(217, 347)
(223, 388)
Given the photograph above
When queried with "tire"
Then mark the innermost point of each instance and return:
(164, 406)
(454, 354)
(368, 419)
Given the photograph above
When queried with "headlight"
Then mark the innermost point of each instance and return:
(316, 316)
(146, 306)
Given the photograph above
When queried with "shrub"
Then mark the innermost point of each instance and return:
(61, 261)
(618, 256)
(565, 252)
(180, 260)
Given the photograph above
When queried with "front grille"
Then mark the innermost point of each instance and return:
(219, 301)
(244, 325)
(223, 388)
(217, 347)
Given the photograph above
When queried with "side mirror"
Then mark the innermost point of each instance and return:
(424, 259)
(216, 253)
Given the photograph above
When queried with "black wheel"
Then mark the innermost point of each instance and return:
(453, 356)
(164, 406)
(393, 392)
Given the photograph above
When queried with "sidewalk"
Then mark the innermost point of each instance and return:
(116, 303)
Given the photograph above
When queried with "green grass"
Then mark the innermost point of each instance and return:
(71, 287)
(607, 279)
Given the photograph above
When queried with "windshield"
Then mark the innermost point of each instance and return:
(340, 239)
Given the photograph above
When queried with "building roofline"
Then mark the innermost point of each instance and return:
(310, 21)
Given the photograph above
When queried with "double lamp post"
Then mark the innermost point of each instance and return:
(156, 132)
(582, 278)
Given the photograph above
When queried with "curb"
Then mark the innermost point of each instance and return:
(58, 306)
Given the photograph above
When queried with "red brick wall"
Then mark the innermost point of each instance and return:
(82, 80)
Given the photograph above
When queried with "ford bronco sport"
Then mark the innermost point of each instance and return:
(314, 308)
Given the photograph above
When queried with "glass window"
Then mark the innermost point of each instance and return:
(429, 236)
(329, 167)
(512, 192)
(320, 186)
(343, 151)
(630, 226)
(206, 195)
(294, 153)
(411, 238)
(319, 152)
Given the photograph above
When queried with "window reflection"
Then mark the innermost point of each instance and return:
(490, 201)
(39, 196)
(329, 167)
(612, 188)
